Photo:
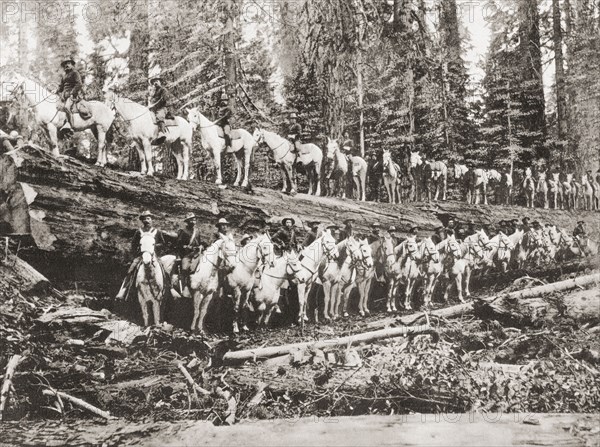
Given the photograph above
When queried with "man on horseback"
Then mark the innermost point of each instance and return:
(146, 218)
(286, 235)
(348, 146)
(223, 230)
(312, 234)
(189, 247)
(295, 132)
(224, 114)
(158, 104)
(348, 229)
(375, 233)
(69, 91)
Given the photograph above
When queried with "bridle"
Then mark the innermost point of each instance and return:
(112, 104)
(361, 259)
(429, 255)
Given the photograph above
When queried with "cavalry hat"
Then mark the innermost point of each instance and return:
(222, 221)
(155, 78)
(313, 223)
(347, 221)
(376, 225)
(332, 227)
(440, 229)
(293, 115)
(526, 219)
(67, 61)
(146, 214)
(392, 228)
(245, 236)
(581, 222)
(189, 216)
(288, 218)
(535, 223)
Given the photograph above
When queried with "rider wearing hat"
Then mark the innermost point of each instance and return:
(189, 246)
(224, 115)
(525, 224)
(223, 229)
(312, 234)
(579, 230)
(295, 131)
(348, 145)
(440, 234)
(286, 236)
(348, 229)
(159, 103)
(69, 91)
(375, 233)
(147, 228)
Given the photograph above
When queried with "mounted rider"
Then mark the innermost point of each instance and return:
(159, 103)
(348, 229)
(286, 236)
(189, 248)
(312, 234)
(295, 132)
(224, 116)
(8, 140)
(69, 91)
(348, 146)
(375, 233)
(580, 233)
(147, 228)
(223, 229)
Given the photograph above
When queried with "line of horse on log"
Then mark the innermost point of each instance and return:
(410, 270)
(428, 179)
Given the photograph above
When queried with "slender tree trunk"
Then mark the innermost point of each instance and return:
(24, 68)
(560, 74)
(230, 51)
(359, 84)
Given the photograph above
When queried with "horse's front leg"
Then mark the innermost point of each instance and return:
(408, 293)
(177, 150)
(148, 157)
(445, 186)
(484, 192)
(143, 305)
(327, 314)
(247, 157)
(318, 179)
(53, 137)
(101, 160)
(302, 302)
(141, 155)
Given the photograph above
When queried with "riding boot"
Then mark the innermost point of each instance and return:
(124, 288)
(67, 130)
(161, 137)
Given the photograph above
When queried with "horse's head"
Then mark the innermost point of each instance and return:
(227, 253)
(459, 170)
(193, 117)
(258, 135)
(542, 176)
(387, 249)
(386, 158)
(453, 247)
(292, 262)
(528, 172)
(569, 178)
(329, 245)
(147, 243)
(415, 159)
(429, 251)
(332, 147)
(265, 249)
(482, 238)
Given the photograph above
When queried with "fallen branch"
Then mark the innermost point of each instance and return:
(272, 351)
(231, 404)
(258, 397)
(560, 286)
(191, 381)
(7, 385)
(78, 402)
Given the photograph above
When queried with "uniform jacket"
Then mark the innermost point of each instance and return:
(188, 242)
(309, 239)
(224, 114)
(70, 84)
(160, 99)
(287, 237)
(295, 130)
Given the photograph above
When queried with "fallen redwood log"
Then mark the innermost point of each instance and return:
(7, 385)
(30, 280)
(528, 306)
(273, 351)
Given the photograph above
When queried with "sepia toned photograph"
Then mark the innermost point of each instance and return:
(299, 223)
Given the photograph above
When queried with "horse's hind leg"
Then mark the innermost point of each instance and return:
(177, 149)
(144, 307)
(148, 156)
(238, 163)
(247, 158)
(318, 179)
(53, 137)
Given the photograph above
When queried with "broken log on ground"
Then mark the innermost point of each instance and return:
(540, 303)
(233, 357)
(7, 384)
(78, 402)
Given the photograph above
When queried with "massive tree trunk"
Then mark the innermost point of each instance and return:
(231, 13)
(92, 214)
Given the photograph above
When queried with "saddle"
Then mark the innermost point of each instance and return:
(235, 134)
(169, 119)
(82, 108)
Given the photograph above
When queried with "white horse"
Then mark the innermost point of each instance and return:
(310, 156)
(258, 251)
(142, 129)
(542, 190)
(391, 178)
(272, 279)
(149, 283)
(42, 104)
(358, 166)
(242, 145)
(529, 187)
(501, 250)
(357, 271)
(457, 267)
(311, 258)
(204, 281)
